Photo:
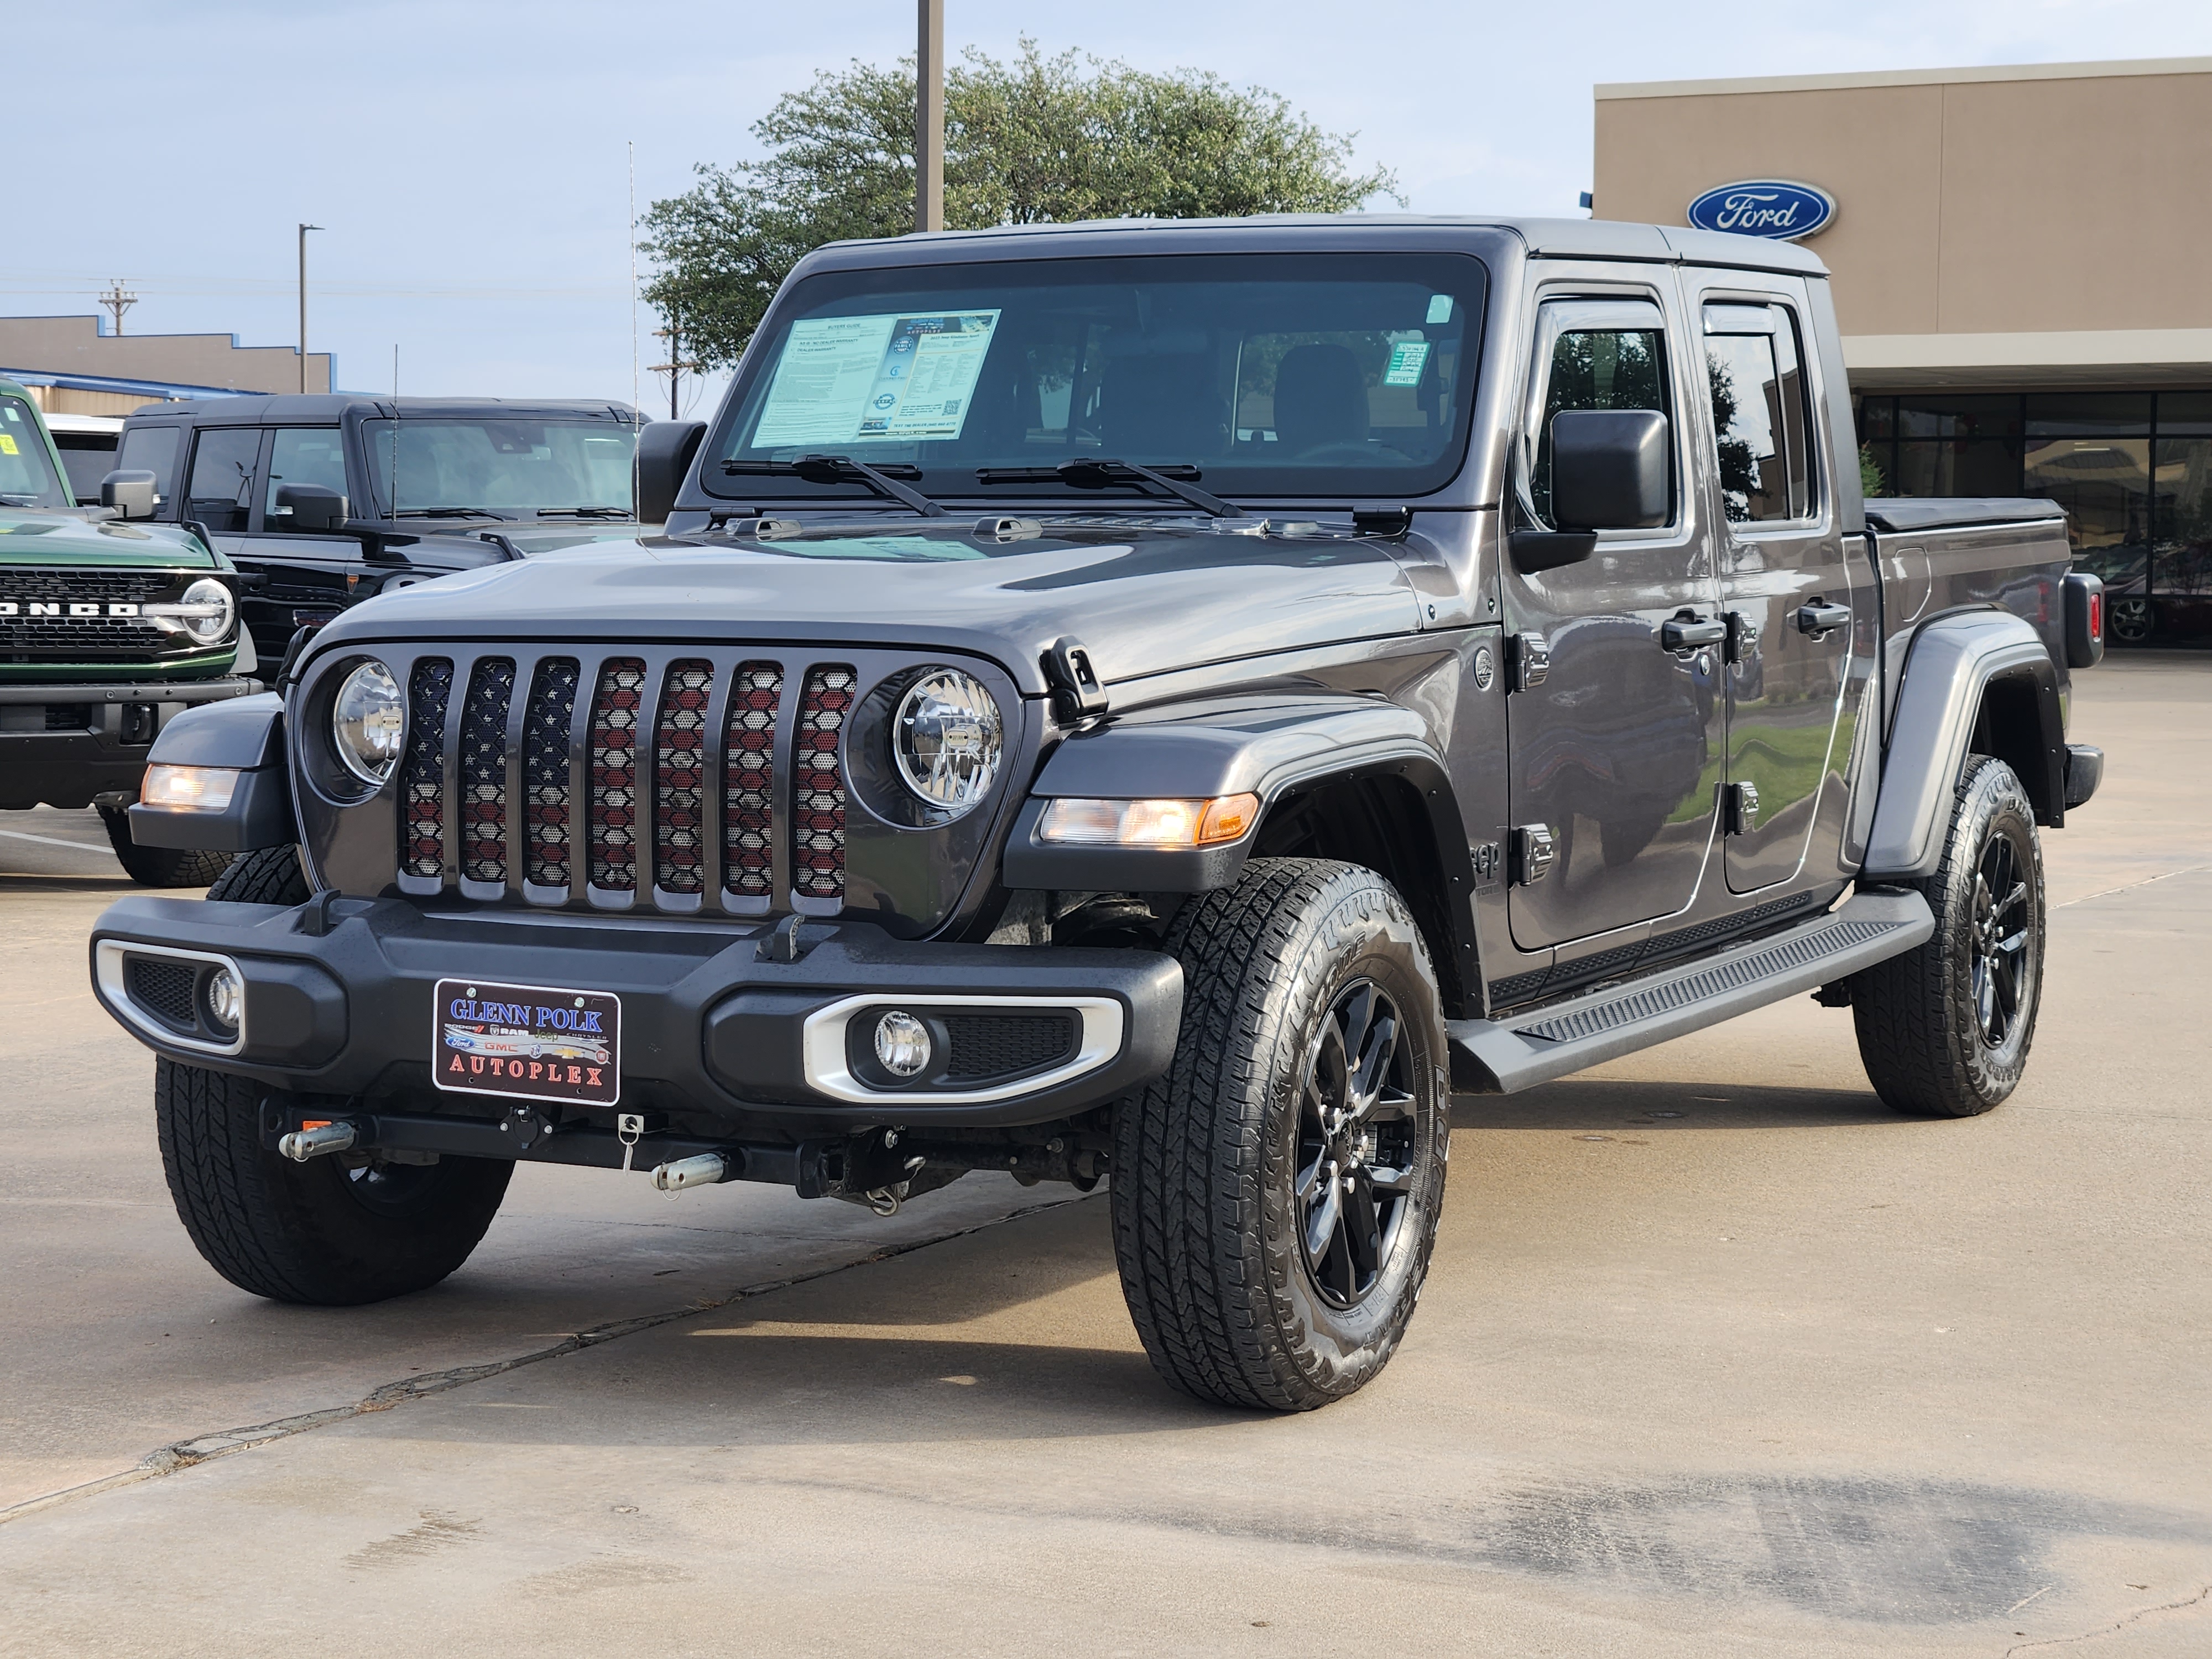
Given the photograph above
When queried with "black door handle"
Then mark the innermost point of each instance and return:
(1819, 617)
(1685, 630)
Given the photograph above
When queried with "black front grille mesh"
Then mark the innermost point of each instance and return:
(545, 786)
(422, 770)
(679, 779)
(70, 615)
(163, 990)
(483, 770)
(1006, 1045)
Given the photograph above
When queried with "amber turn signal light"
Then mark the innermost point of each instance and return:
(1073, 820)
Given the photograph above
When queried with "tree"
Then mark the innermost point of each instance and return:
(1040, 140)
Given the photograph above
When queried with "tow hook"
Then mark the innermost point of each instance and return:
(324, 1138)
(704, 1171)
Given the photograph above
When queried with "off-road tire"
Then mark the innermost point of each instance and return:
(268, 875)
(321, 1233)
(1920, 1020)
(1206, 1224)
(159, 866)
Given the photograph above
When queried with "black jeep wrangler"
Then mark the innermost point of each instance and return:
(1160, 704)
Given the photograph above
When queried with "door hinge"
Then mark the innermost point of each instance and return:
(1529, 659)
(1742, 808)
(1534, 851)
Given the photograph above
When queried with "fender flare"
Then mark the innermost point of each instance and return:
(1953, 661)
(1272, 747)
(245, 735)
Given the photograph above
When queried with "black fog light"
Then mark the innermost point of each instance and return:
(225, 1002)
(902, 1043)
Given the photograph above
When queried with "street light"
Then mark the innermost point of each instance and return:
(304, 229)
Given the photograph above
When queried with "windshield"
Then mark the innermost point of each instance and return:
(27, 470)
(1273, 374)
(504, 466)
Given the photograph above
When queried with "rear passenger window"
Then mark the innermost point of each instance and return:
(1758, 394)
(220, 493)
(1596, 368)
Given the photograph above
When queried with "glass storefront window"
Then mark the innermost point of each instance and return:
(2065, 414)
(2181, 562)
(2104, 484)
(1944, 416)
(1959, 466)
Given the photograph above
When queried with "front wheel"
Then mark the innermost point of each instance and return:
(1276, 1194)
(337, 1231)
(1944, 1030)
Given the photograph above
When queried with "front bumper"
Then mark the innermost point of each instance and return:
(98, 744)
(716, 1032)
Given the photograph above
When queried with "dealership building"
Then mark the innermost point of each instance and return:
(2023, 274)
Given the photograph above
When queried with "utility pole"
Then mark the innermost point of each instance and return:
(674, 368)
(117, 301)
(304, 229)
(929, 115)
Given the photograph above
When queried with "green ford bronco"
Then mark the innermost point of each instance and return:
(107, 628)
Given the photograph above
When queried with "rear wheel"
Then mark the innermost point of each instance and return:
(1945, 1030)
(159, 866)
(335, 1231)
(1276, 1194)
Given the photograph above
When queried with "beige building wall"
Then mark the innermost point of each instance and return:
(74, 345)
(2012, 211)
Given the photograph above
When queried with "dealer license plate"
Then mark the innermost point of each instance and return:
(527, 1042)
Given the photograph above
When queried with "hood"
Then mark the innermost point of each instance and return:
(46, 539)
(1144, 599)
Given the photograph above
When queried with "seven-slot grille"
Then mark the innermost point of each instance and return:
(647, 781)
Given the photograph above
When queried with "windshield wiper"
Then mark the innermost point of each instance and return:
(451, 512)
(1085, 473)
(584, 512)
(843, 468)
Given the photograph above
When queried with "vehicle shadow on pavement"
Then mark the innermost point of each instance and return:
(1599, 1104)
(20, 882)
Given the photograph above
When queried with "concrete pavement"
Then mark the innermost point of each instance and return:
(1718, 1357)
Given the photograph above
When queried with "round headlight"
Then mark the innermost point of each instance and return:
(369, 722)
(947, 740)
(204, 614)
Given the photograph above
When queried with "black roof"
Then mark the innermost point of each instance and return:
(325, 408)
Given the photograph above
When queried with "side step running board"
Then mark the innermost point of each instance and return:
(1522, 1051)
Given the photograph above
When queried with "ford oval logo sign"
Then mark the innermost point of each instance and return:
(1764, 207)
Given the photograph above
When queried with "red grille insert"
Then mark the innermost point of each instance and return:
(422, 772)
(615, 708)
(748, 781)
(679, 774)
(817, 804)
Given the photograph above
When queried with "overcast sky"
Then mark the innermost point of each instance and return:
(470, 157)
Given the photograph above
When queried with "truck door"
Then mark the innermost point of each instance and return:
(1613, 738)
(303, 578)
(1785, 586)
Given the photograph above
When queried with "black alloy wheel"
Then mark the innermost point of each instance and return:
(1355, 1162)
(2004, 939)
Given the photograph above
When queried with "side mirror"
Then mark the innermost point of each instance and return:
(1609, 470)
(664, 450)
(131, 493)
(312, 508)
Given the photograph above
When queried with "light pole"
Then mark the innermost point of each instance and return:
(304, 229)
(929, 115)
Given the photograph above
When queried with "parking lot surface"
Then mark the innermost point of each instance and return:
(1717, 1357)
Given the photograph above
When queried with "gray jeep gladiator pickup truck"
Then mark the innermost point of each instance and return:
(1163, 703)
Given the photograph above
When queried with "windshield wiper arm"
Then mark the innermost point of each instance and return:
(451, 512)
(584, 512)
(1085, 473)
(843, 468)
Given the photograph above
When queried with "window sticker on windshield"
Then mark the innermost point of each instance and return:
(1406, 360)
(857, 380)
(1439, 308)
(8, 445)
